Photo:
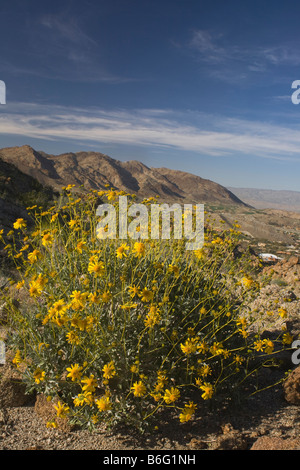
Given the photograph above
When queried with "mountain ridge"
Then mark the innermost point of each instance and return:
(280, 199)
(95, 170)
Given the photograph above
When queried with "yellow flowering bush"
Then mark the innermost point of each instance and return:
(119, 330)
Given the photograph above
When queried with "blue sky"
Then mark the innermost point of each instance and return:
(199, 86)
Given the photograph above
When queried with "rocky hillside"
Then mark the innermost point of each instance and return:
(95, 170)
(18, 191)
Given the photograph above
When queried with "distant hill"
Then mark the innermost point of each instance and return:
(18, 191)
(94, 170)
(269, 199)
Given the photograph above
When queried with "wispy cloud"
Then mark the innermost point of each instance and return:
(59, 46)
(228, 60)
(153, 128)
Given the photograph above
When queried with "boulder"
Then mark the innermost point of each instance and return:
(291, 387)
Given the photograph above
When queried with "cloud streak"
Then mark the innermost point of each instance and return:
(234, 62)
(152, 128)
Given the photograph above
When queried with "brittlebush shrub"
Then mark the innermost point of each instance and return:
(119, 330)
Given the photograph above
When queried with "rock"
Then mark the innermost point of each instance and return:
(231, 441)
(275, 443)
(293, 260)
(12, 389)
(291, 387)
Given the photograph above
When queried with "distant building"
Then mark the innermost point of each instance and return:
(269, 257)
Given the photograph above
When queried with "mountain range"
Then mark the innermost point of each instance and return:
(269, 199)
(95, 170)
(29, 177)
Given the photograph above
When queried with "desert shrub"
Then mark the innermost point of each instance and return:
(119, 330)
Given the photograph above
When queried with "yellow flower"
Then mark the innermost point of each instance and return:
(173, 269)
(205, 370)
(190, 346)
(109, 370)
(146, 295)
(207, 391)
(62, 410)
(171, 395)
(202, 347)
(152, 317)
(34, 256)
(17, 359)
(103, 403)
(47, 239)
(134, 369)
(106, 296)
(73, 338)
(138, 389)
(282, 312)
(216, 348)
(80, 246)
(83, 398)
(111, 195)
(258, 345)
(51, 424)
(247, 282)
(39, 375)
(242, 322)
(90, 383)
(20, 284)
(35, 289)
(128, 306)
(134, 290)
(198, 254)
(96, 267)
(121, 250)
(94, 298)
(54, 217)
(287, 338)
(188, 412)
(19, 223)
(74, 372)
(139, 249)
(72, 223)
(268, 346)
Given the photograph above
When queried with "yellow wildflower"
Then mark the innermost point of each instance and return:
(109, 370)
(103, 403)
(188, 412)
(62, 410)
(190, 346)
(207, 391)
(20, 223)
(146, 295)
(139, 249)
(121, 251)
(138, 389)
(74, 372)
(39, 375)
(90, 383)
(47, 239)
(171, 395)
(96, 267)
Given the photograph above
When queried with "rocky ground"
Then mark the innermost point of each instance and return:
(267, 420)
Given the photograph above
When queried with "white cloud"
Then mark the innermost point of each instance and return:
(226, 60)
(195, 132)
